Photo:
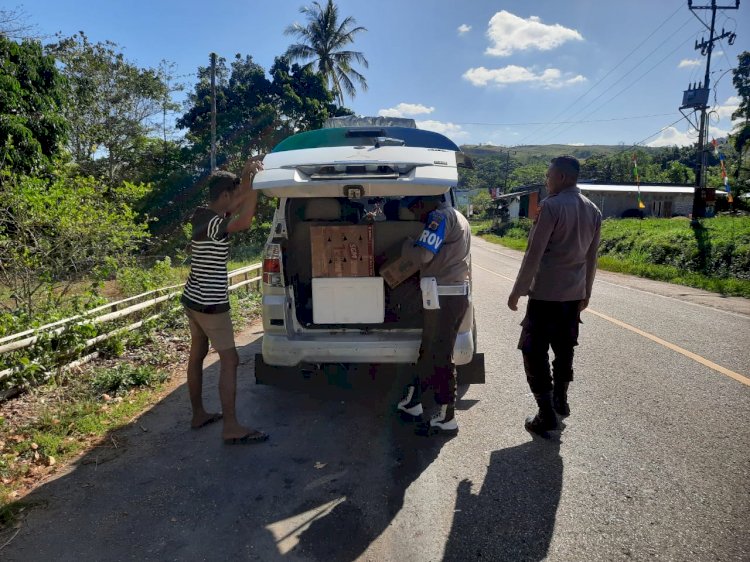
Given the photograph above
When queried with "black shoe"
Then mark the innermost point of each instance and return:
(560, 403)
(560, 399)
(410, 406)
(444, 421)
(540, 424)
(545, 420)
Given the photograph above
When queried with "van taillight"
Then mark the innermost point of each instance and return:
(272, 265)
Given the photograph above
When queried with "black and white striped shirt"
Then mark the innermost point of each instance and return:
(206, 288)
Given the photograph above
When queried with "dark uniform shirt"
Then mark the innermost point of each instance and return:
(560, 259)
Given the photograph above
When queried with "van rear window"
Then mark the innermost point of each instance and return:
(365, 136)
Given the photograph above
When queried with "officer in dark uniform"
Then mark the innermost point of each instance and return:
(557, 274)
(443, 250)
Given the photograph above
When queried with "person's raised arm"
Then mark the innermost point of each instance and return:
(248, 197)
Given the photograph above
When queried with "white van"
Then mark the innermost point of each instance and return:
(351, 175)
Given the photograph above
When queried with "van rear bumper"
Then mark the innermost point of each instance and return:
(282, 351)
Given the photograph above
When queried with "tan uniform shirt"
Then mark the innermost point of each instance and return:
(445, 253)
(560, 259)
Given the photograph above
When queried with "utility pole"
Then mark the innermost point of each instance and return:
(213, 112)
(697, 98)
(507, 169)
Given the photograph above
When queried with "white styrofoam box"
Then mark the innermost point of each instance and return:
(348, 300)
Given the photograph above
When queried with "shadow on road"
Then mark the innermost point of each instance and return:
(324, 487)
(512, 517)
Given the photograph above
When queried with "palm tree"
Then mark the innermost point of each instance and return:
(323, 40)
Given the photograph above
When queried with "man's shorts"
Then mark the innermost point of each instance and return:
(216, 327)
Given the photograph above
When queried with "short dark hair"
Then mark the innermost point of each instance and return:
(567, 164)
(221, 181)
(411, 201)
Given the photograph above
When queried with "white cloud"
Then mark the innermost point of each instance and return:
(689, 63)
(576, 144)
(512, 74)
(406, 110)
(730, 106)
(509, 33)
(450, 130)
(463, 28)
(671, 136)
(674, 137)
(716, 133)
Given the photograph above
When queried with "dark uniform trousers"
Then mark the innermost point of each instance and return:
(549, 324)
(435, 368)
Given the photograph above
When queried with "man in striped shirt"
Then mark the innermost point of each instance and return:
(232, 205)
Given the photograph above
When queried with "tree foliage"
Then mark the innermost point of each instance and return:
(32, 122)
(54, 233)
(741, 136)
(255, 111)
(245, 115)
(110, 105)
(323, 42)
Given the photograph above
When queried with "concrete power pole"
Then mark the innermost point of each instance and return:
(213, 112)
(697, 98)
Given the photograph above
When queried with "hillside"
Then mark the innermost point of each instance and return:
(528, 154)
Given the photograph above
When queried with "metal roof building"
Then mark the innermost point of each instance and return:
(614, 200)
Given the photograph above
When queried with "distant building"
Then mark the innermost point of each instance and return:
(614, 200)
(464, 197)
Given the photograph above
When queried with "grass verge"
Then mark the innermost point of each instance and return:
(667, 250)
(55, 423)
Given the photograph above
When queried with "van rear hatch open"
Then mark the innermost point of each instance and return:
(389, 226)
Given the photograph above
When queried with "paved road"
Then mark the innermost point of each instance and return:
(653, 462)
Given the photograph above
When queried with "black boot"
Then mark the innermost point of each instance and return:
(545, 420)
(410, 405)
(442, 422)
(560, 398)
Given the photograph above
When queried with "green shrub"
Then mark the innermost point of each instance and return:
(120, 379)
(517, 228)
(136, 280)
(714, 256)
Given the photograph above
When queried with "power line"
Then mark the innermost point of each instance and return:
(615, 67)
(635, 144)
(625, 89)
(561, 122)
(656, 133)
(637, 65)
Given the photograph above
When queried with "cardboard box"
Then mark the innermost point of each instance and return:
(342, 251)
(348, 300)
(398, 270)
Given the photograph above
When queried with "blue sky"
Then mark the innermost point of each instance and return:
(479, 71)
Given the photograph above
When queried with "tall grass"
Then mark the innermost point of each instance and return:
(714, 255)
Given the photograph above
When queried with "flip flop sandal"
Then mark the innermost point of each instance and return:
(255, 437)
(212, 419)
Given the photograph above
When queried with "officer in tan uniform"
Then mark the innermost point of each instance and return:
(557, 274)
(443, 250)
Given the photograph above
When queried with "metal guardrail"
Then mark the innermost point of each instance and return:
(111, 311)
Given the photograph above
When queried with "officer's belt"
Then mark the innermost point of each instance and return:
(462, 289)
